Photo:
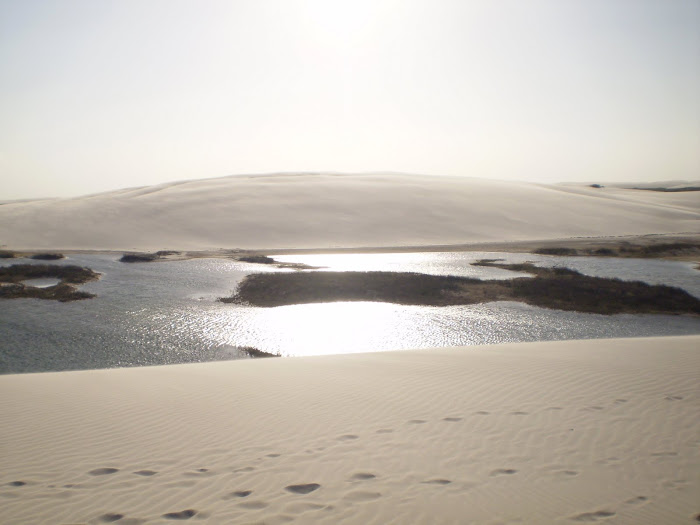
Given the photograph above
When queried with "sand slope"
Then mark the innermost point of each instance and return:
(558, 432)
(330, 210)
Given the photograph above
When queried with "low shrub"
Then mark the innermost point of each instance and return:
(138, 257)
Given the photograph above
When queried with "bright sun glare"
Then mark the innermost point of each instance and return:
(342, 25)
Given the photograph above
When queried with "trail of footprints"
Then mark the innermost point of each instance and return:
(303, 489)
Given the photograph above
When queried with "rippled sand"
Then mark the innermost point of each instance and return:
(557, 432)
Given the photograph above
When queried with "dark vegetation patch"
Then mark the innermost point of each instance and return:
(7, 254)
(139, 257)
(557, 288)
(181, 515)
(671, 190)
(47, 256)
(255, 352)
(626, 249)
(257, 259)
(556, 251)
(12, 287)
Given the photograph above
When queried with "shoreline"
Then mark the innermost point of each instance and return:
(523, 246)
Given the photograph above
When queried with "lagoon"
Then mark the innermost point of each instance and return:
(167, 312)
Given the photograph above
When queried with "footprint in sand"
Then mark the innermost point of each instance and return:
(181, 515)
(348, 437)
(437, 481)
(554, 408)
(452, 419)
(482, 413)
(198, 473)
(663, 454)
(385, 431)
(503, 471)
(305, 488)
(416, 422)
(239, 494)
(145, 473)
(518, 413)
(253, 505)
(273, 455)
(637, 500)
(17, 483)
(110, 517)
(594, 516)
(244, 469)
(361, 495)
(674, 483)
(673, 398)
(363, 476)
(103, 471)
(608, 461)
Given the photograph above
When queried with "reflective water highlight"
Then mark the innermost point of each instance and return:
(166, 312)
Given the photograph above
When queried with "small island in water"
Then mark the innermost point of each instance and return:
(13, 287)
(556, 288)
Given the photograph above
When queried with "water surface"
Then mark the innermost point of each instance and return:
(166, 312)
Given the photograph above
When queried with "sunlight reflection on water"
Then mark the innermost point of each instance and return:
(166, 312)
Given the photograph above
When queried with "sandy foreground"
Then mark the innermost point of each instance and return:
(558, 432)
(324, 211)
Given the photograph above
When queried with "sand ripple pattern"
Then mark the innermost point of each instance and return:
(576, 432)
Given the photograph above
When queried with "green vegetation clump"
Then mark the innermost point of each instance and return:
(671, 190)
(256, 352)
(556, 251)
(672, 248)
(557, 288)
(138, 257)
(257, 259)
(47, 256)
(278, 289)
(62, 292)
(7, 254)
(69, 274)
(627, 249)
(12, 287)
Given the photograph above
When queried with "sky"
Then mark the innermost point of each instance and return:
(105, 94)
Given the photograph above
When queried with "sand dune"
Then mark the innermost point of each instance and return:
(557, 432)
(330, 210)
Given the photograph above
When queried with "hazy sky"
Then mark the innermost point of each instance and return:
(104, 94)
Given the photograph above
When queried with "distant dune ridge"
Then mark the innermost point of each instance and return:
(339, 210)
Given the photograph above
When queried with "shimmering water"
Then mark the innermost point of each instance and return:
(166, 312)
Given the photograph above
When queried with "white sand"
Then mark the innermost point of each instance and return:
(560, 432)
(323, 211)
